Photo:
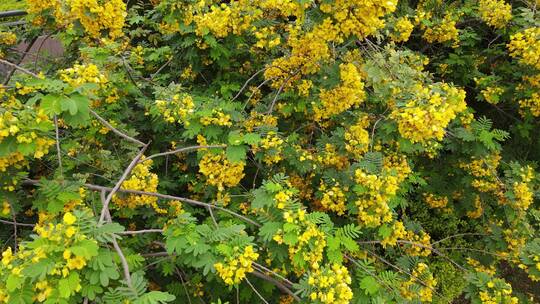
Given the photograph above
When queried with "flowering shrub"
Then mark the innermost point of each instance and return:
(313, 151)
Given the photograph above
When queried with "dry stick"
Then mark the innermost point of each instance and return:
(277, 283)
(14, 227)
(458, 235)
(58, 151)
(132, 165)
(185, 149)
(116, 131)
(161, 68)
(279, 91)
(123, 260)
(183, 283)
(17, 224)
(140, 231)
(10, 74)
(248, 81)
(273, 272)
(404, 271)
(371, 274)
(163, 196)
(13, 65)
(255, 290)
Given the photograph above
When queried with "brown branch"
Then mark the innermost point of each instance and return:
(140, 231)
(123, 260)
(185, 149)
(163, 196)
(276, 283)
(17, 224)
(58, 151)
(116, 131)
(13, 65)
(256, 292)
(248, 81)
(124, 176)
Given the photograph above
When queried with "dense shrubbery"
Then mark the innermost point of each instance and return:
(321, 151)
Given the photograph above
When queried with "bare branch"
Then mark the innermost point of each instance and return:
(185, 149)
(58, 151)
(17, 224)
(140, 231)
(256, 292)
(248, 81)
(116, 131)
(123, 260)
(13, 65)
(277, 283)
(163, 196)
(132, 165)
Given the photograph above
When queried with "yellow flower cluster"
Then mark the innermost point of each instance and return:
(217, 118)
(50, 236)
(373, 209)
(95, 16)
(418, 244)
(497, 292)
(225, 19)
(282, 198)
(219, 171)
(272, 145)
(140, 179)
(402, 30)
(532, 104)
(333, 198)
(397, 232)
(442, 31)
(525, 45)
(311, 240)
(426, 116)
(235, 268)
(329, 157)
(348, 94)
(522, 189)
(259, 119)
(177, 110)
(492, 94)
(346, 18)
(420, 285)
(478, 208)
(435, 201)
(496, 13)
(330, 285)
(20, 125)
(357, 138)
(81, 74)
(266, 39)
(484, 171)
(8, 38)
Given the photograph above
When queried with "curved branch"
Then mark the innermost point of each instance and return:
(185, 149)
(116, 131)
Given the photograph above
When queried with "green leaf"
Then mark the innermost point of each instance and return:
(268, 230)
(50, 104)
(85, 248)
(14, 282)
(67, 286)
(236, 153)
(155, 297)
(370, 285)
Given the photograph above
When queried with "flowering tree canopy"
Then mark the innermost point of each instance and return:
(272, 151)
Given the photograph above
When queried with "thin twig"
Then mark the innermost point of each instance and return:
(13, 65)
(123, 260)
(58, 151)
(163, 196)
(276, 283)
(17, 224)
(14, 227)
(273, 272)
(458, 235)
(132, 165)
(12, 71)
(185, 149)
(279, 91)
(248, 81)
(140, 231)
(256, 292)
(116, 131)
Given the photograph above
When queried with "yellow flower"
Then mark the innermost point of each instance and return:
(69, 218)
